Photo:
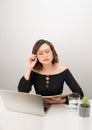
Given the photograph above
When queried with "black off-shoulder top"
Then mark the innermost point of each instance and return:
(47, 85)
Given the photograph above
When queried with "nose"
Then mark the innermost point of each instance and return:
(44, 54)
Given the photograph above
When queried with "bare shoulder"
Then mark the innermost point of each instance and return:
(62, 68)
(35, 70)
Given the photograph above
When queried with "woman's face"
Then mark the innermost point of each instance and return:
(44, 54)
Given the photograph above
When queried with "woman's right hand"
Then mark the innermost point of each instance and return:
(31, 63)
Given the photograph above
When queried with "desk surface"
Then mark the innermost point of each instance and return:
(58, 117)
(61, 117)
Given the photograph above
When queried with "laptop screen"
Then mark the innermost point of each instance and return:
(22, 102)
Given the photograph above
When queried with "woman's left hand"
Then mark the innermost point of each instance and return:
(54, 100)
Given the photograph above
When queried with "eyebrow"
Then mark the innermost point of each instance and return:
(44, 50)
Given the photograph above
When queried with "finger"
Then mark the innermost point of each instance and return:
(45, 101)
(63, 100)
(34, 58)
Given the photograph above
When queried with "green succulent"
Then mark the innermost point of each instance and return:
(85, 102)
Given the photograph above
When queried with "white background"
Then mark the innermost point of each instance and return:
(65, 23)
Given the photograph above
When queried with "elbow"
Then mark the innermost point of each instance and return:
(81, 94)
(24, 89)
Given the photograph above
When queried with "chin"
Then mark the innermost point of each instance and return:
(46, 63)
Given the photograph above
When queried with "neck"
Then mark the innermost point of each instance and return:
(48, 66)
(48, 69)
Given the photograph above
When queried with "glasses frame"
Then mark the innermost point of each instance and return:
(46, 51)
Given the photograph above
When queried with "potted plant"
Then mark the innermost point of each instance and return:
(84, 108)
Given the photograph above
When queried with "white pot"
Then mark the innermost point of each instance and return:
(84, 111)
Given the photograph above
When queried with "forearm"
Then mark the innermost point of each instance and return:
(55, 100)
(24, 85)
(27, 73)
(31, 63)
(73, 84)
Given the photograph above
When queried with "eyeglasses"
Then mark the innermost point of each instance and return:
(41, 53)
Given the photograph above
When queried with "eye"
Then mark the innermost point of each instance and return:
(47, 51)
(40, 53)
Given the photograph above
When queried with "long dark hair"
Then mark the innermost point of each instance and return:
(37, 45)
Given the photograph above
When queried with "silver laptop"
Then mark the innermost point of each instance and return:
(23, 102)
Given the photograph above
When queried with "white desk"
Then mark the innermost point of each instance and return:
(19, 121)
(58, 117)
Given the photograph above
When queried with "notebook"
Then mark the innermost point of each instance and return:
(56, 96)
(23, 102)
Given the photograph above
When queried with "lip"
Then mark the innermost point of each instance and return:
(45, 59)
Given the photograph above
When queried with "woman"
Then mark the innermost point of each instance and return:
(46, 74)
